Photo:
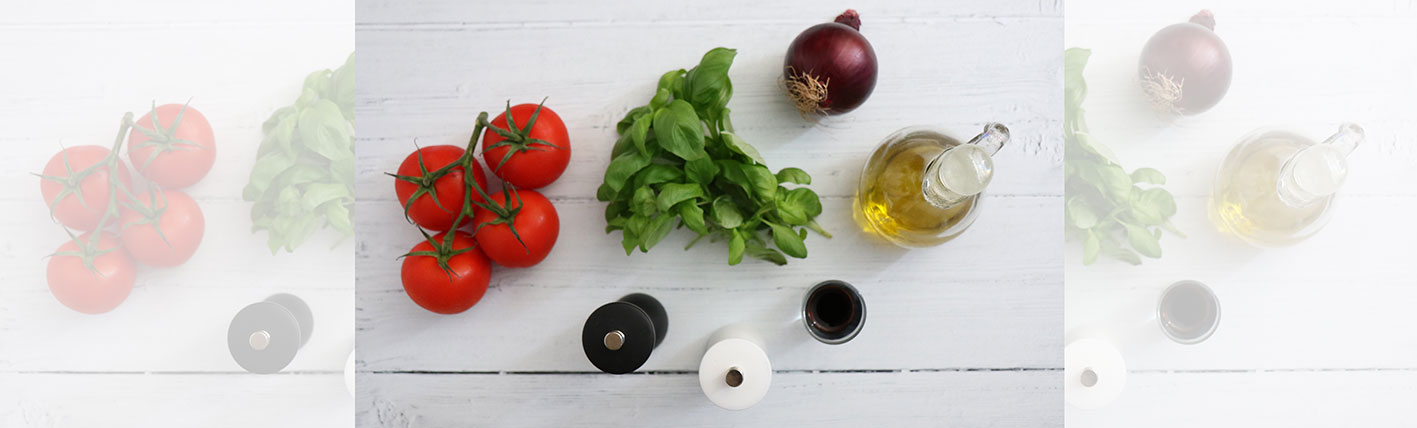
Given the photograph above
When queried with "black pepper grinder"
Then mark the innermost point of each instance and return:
(264, 336)
(619, 336)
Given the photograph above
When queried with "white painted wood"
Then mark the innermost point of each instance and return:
(1288, 399)
(989, 299)
(174, 400)
(236, 72)
(797, 399)
(160, 359)
(1317, 334)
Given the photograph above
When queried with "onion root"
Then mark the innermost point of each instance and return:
(1163, 91)
(806, 91)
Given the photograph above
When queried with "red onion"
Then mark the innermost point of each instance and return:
(830, 68)
(1185, 68)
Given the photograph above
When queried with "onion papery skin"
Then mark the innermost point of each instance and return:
(1185, 68)
(836, 56)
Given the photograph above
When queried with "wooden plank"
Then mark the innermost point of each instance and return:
(258, 69)
(1329, 302)
(208, 400)
(1310, 335)
(174, 13)
(1263, 94)
(944, 307)
(161, 329)
(1290, 399)
(648, 12)
(420, 88)
(238, 63)
(998, 399)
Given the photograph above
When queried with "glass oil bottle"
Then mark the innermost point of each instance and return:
(920, 188)
(1276, 187)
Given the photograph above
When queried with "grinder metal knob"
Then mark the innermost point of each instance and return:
(619, 336)
(264, 336)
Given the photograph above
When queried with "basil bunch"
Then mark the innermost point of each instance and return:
(678, 159)
(1107, 208)
(304, 173)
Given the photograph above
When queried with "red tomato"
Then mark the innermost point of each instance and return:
(91, 291)
(442, 291)
(411, 183)
(174, 157)
(71, 209)
(172, 215)
(535, 220)
(533, 164)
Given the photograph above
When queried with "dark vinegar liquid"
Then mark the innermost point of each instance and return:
(1189, 311)
(833, 309)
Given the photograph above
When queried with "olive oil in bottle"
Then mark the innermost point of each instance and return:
(1276, 188)
(921, 188)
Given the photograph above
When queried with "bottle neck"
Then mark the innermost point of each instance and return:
(1316, 172)
(962, 171)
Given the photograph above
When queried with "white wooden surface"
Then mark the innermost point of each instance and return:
(1318, 334)
(965, 334)
(160, 359)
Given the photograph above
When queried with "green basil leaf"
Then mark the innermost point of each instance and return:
(639, 133)
(673, 81)
(656, 174)
(737, 145)
(701, 170)
(604, 193)
(1143, 241)
(317, 194)
(630, 117)
(342, 88)
(764, 184)
(338, 217)
(265, 172)
(762, 252)
(656, 230)
(798, 206)
(1115, 181)
(732, 172)
(793, 175)
(674, 193)
(1158, 199)
(323, 130)
(725, 213)
(1080, 214)
(1152, 207)
(707, 86)
(735, 248)
(643, 202)
(693, 217)
(679, 131)
(615, 223)
(634, 227)
(661, 97)
(622, 168)
(1149, 176)
(1074, 60)
(616, 209)
(789, 241)
(1125, 255)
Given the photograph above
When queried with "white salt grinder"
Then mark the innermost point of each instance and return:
(735, 372)
(1094, 373)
